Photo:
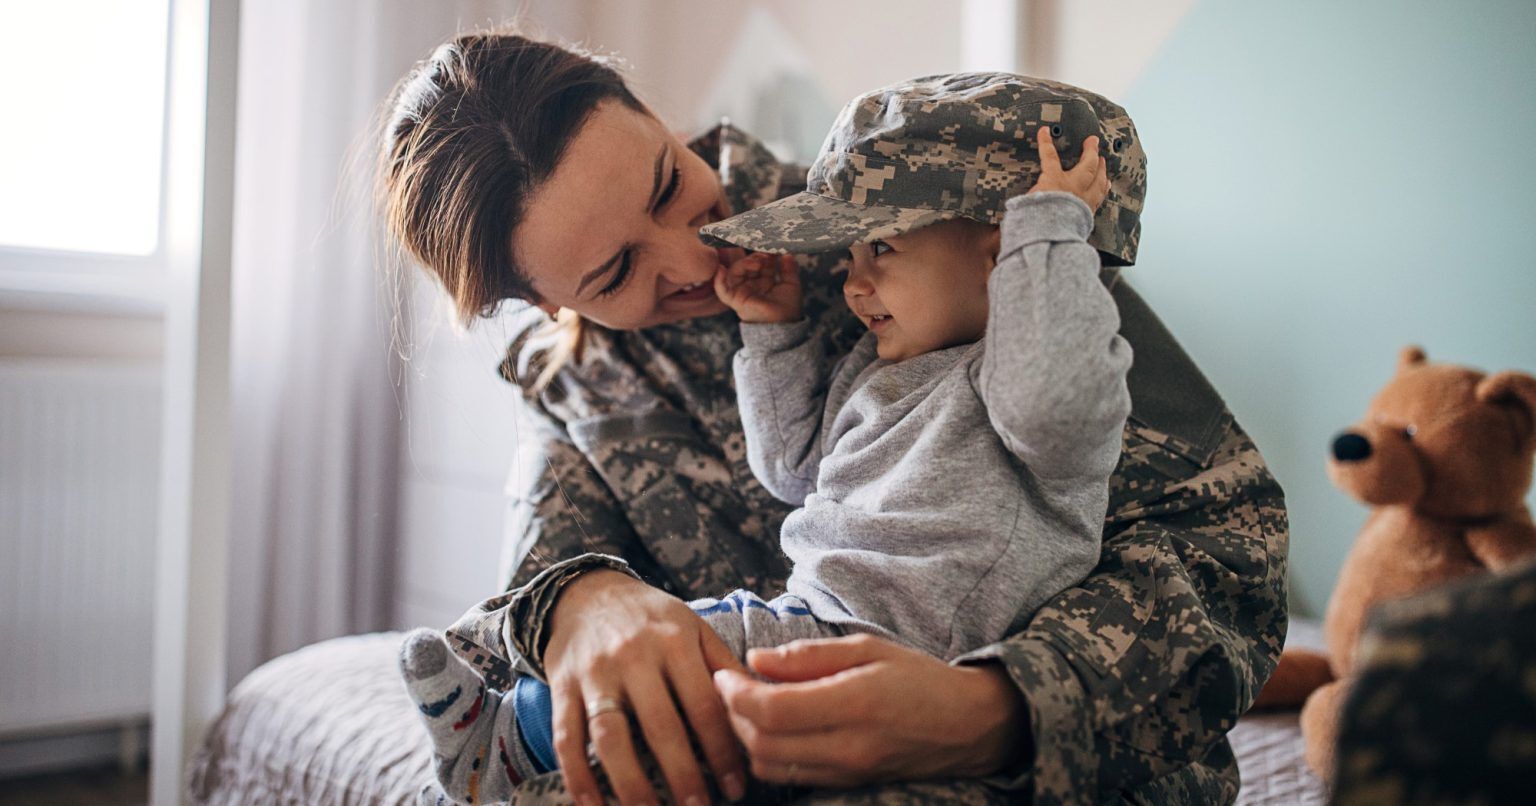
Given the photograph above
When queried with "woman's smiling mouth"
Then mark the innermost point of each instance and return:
(693, 292)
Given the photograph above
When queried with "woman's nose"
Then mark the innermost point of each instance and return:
(681, 257)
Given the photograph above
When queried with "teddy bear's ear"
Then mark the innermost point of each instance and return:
(1514, 389)
(1410, 356)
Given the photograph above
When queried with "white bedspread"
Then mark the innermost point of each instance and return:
(330, 724)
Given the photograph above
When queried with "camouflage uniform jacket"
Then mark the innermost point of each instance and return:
(1131, 679)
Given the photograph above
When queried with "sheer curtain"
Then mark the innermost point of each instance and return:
(316, 414)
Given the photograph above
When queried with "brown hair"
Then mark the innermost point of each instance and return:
(470, 133)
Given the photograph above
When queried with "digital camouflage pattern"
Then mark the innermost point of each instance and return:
(1131, 679)
(1443, 708)
(938, 147)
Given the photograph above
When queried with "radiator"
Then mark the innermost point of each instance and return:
(79, 473)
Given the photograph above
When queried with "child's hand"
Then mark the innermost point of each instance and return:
(761, 288)
(1088, 180)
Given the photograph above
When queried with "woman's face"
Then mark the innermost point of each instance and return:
(613, 233)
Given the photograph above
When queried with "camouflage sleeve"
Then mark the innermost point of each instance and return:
(558, 509)
(559, 506)
(514, 623)
(1133, 678)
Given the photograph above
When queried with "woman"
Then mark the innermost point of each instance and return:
(514, 169)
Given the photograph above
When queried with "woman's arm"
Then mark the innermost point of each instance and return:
(1140, 671)
(557, 509)
(1128, 681)
(611, 636)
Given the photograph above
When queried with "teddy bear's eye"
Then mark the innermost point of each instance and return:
(1410, 431)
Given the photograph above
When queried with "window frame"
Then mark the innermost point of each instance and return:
(99, 282)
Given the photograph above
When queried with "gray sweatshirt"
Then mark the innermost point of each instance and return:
(944, 498)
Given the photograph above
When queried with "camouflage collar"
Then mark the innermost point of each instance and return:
(749, 172)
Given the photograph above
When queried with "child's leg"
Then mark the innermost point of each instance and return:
(477, 744)
(517, 724)
(742, 621)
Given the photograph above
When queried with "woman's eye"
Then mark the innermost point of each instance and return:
(671, 189)
(619, 277)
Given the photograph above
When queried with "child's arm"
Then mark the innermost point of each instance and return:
(1053, 374)
(782, 373)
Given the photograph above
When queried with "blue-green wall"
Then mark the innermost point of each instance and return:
(1328, 182)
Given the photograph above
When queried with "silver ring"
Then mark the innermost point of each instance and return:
(597, 706)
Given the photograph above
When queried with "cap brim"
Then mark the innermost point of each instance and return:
(807, 222)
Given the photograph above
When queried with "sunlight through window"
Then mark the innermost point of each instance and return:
(80, 150)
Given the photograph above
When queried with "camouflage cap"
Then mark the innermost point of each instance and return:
(949, 146)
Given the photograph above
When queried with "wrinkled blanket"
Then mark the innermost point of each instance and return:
(330, 724)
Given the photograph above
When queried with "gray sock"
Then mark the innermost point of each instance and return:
(480, 755)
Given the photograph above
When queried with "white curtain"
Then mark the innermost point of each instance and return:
(316, 414)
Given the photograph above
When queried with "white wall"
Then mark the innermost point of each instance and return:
(1104, 45)
(1329, 182)
(680, 51)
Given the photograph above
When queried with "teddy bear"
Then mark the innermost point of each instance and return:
(1444, 459)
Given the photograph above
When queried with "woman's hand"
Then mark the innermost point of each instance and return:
(615, 639)
(761, 288)
(1089, 178)
(859, 710)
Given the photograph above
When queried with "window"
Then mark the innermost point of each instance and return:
(81, 151)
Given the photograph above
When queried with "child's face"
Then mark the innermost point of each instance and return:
(924, 290)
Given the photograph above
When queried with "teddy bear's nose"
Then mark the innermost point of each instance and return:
(1350, 447)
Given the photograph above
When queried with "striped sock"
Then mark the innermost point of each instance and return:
(479, 751)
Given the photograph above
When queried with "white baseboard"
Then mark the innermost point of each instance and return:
(71, 751)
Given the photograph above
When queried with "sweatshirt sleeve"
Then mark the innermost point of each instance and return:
(782, 374)
(1053, 376)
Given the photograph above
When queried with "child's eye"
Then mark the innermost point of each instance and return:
(876, 249)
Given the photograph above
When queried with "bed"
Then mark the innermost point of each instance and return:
(330, 724)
